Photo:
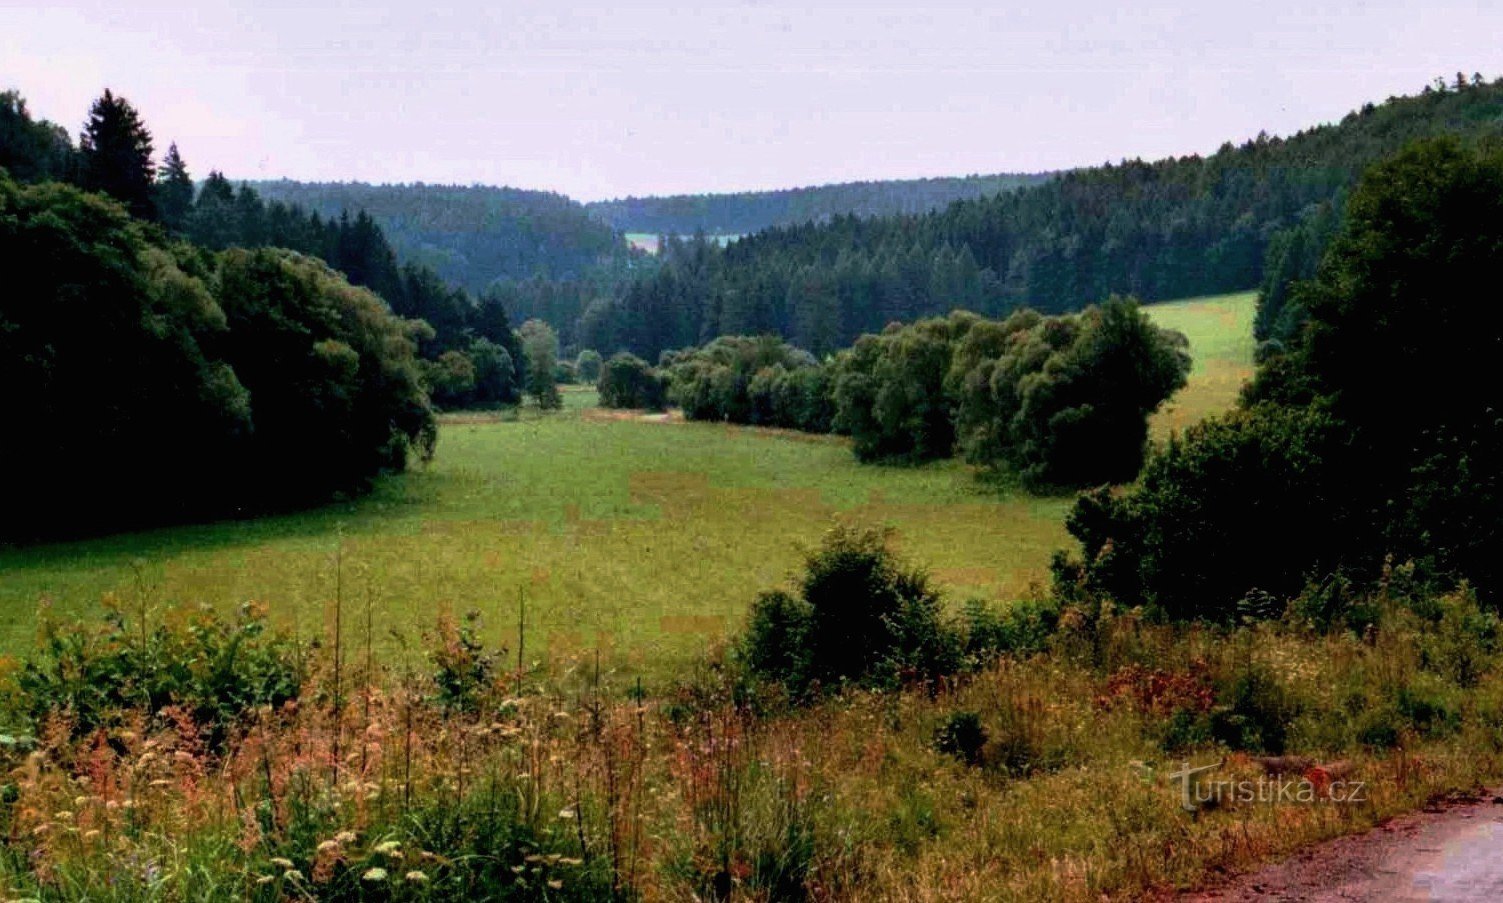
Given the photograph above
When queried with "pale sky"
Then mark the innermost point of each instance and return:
(608, 99)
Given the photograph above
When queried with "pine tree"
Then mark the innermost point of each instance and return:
(116, 150)
(174, 191)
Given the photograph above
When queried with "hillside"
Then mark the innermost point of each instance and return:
(1175, 228)
(753, 211)
(470, 235)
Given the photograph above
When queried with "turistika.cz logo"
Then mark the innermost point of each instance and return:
(1312, 788)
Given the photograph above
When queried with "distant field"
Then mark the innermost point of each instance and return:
(1221, 341)
(646, 539)
(648, 241)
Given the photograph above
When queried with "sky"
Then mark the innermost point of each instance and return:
(599, 100)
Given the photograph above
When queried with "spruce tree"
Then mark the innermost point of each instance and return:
(116, 150)
(174, 191)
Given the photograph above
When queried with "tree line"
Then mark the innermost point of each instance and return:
(160, 382)
(474, 235)
(1058, 401)
(1175, 228)
(740, 213)
(469, 352)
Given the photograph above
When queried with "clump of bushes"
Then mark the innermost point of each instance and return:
(627, 381)
(761, 380)
(858, 614)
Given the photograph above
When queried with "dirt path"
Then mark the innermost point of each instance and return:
(1454, 854)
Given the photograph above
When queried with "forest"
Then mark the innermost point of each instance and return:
(1174, 228)
(744, 212)
(472, 235)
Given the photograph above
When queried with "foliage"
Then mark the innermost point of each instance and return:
(1373, 438)
(626, 381)
(859, 614)
(744, 379)
(1174, 228)
(115, 155)
(1065, 400)
(33, 150)
(1245, 501)
(587, 366)
(471, 235)
(890, 395)
(216, 671)
(186, 367)
(752, 211)
(540, 354)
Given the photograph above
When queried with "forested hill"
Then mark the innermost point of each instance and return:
(752, 211)
(1169, 229)
(469, 235)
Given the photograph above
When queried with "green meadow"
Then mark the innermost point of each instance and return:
(644, 537)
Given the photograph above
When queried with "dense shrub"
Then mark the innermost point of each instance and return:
(213, 669)
(744, 379)
(858, 614)
(1241, 502)
(587, 366)
(890, 390)
(626, 381)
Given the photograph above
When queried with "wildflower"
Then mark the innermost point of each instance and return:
(390, 848)
(265, 879)
(328, 846)
(345, 837)
(374, 874)
(566, 813)
(281, 863)
(292, 875)
(417, 877)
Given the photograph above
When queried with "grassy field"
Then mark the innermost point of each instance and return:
(648, 241)
(1221, 341)
(645, 539)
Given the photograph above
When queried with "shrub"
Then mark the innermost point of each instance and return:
(626, 381)
(587, 366)
(1022, 628)
(213, 668)
(1248, 500)
(962, 736)
(858, 615)
(1254, 711)
(463, 671)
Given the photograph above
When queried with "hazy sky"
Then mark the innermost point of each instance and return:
(615, 98)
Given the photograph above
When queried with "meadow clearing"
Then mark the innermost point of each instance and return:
(645, 538)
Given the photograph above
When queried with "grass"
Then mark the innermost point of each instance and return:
(1221, 342)
(647, 540)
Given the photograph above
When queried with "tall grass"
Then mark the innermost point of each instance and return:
(585, 785)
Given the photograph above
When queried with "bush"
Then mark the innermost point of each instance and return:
(626, 381)
(587, 366)
(859, 615)
(215, 669)
(1022, 628)
(1249, 500)
(962, 736)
